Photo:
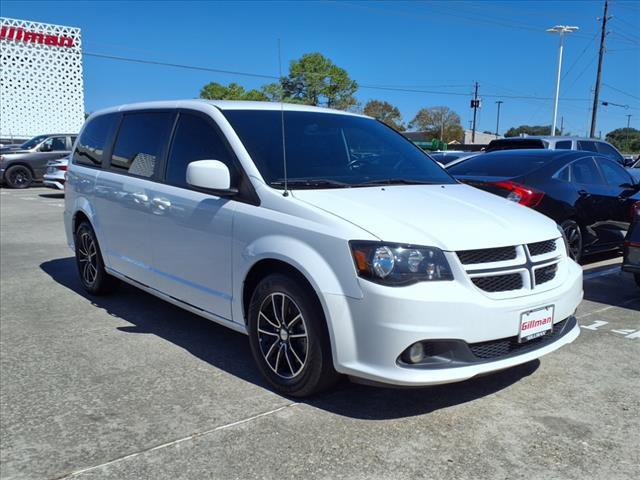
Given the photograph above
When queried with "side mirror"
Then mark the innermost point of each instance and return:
(210, 176)
(45, 147)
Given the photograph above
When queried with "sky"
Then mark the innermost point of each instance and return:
(434, 49)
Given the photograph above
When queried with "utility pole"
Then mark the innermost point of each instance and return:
(475, 103)
(628, 124)
(561, 125)
(498, 102)
(628, 119)
(561, 29)
(596, 94)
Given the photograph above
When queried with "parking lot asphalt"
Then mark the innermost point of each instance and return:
(130, 387)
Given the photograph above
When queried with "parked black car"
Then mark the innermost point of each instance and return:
(631, 259)
(590, 196)
(19, 167)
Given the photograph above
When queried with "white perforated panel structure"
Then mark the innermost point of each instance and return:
(41, 89)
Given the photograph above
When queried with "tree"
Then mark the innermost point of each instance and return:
(625, 139)
(386, 113)
(316, 80)
(530, 130)
(439, 122)
(233, 91)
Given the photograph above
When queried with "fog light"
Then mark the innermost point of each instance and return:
(415, 354)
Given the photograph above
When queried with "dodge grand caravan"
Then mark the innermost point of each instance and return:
(329, 239)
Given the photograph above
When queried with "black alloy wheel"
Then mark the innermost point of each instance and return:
(18, 176)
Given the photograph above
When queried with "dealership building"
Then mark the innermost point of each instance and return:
(41, 86)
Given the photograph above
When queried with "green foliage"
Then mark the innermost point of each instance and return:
(438, 122)
(386, 113)
(233, 91)
(530, 130)
(625, 139)
(316, 80)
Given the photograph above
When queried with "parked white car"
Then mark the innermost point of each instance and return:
(359, 257)
(54, 176)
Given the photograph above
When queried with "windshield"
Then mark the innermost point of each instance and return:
(499, 165)
(29, 144)
(514, 144)
(326, 150)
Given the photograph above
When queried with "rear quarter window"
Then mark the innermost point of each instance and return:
(93, 140)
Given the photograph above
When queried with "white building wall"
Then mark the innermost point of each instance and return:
(41, 88)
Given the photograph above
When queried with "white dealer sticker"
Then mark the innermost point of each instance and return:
(535, 323)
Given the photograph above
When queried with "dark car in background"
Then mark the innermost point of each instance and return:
(631, 259)
(593, 145)
(20, 167)
(590, 196)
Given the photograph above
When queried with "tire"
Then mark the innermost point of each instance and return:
(18, 176)
(94, 278)
(573, 234)
(294, 358)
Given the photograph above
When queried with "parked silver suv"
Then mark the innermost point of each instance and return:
(558, 143)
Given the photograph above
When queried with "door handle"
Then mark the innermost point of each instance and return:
(140, 197)
(161, 203)
(584, 193)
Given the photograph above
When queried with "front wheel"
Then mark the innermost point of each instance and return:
(93, 276)
(573, 234)
(288, 337)
(18, 176)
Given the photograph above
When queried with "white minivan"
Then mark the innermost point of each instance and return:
(334, 243)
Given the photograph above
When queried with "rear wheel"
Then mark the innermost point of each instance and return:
(288, 337)
(93, 276)
(18, 176)
(573, 235)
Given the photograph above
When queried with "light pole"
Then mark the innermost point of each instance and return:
(561, 29)
(498, 102)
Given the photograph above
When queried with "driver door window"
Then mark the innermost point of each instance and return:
(54, 144)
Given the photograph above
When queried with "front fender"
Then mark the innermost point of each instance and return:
(330, 271)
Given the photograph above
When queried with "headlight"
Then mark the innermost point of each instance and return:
(564, 240)
(397, 264)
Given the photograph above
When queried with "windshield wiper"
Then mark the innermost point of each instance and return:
(311, 183)
(397, 181)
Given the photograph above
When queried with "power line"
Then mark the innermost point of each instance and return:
(620, 91)
(274, 77)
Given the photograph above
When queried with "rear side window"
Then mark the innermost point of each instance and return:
(499, 165)
(94, 139)
(586, 145)
(584, 171)
(140, 141)
(563, 145)
(195, 139)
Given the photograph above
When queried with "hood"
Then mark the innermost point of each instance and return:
(450, 217)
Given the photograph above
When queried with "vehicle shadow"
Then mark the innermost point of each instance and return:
(229, 351)
(52, 195)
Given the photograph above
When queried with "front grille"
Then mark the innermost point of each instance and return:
(507, 346)
(546, 274)
(540, 248)
(499, 283)
(486, 255)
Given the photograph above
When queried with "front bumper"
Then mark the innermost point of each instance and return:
(369, 334)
